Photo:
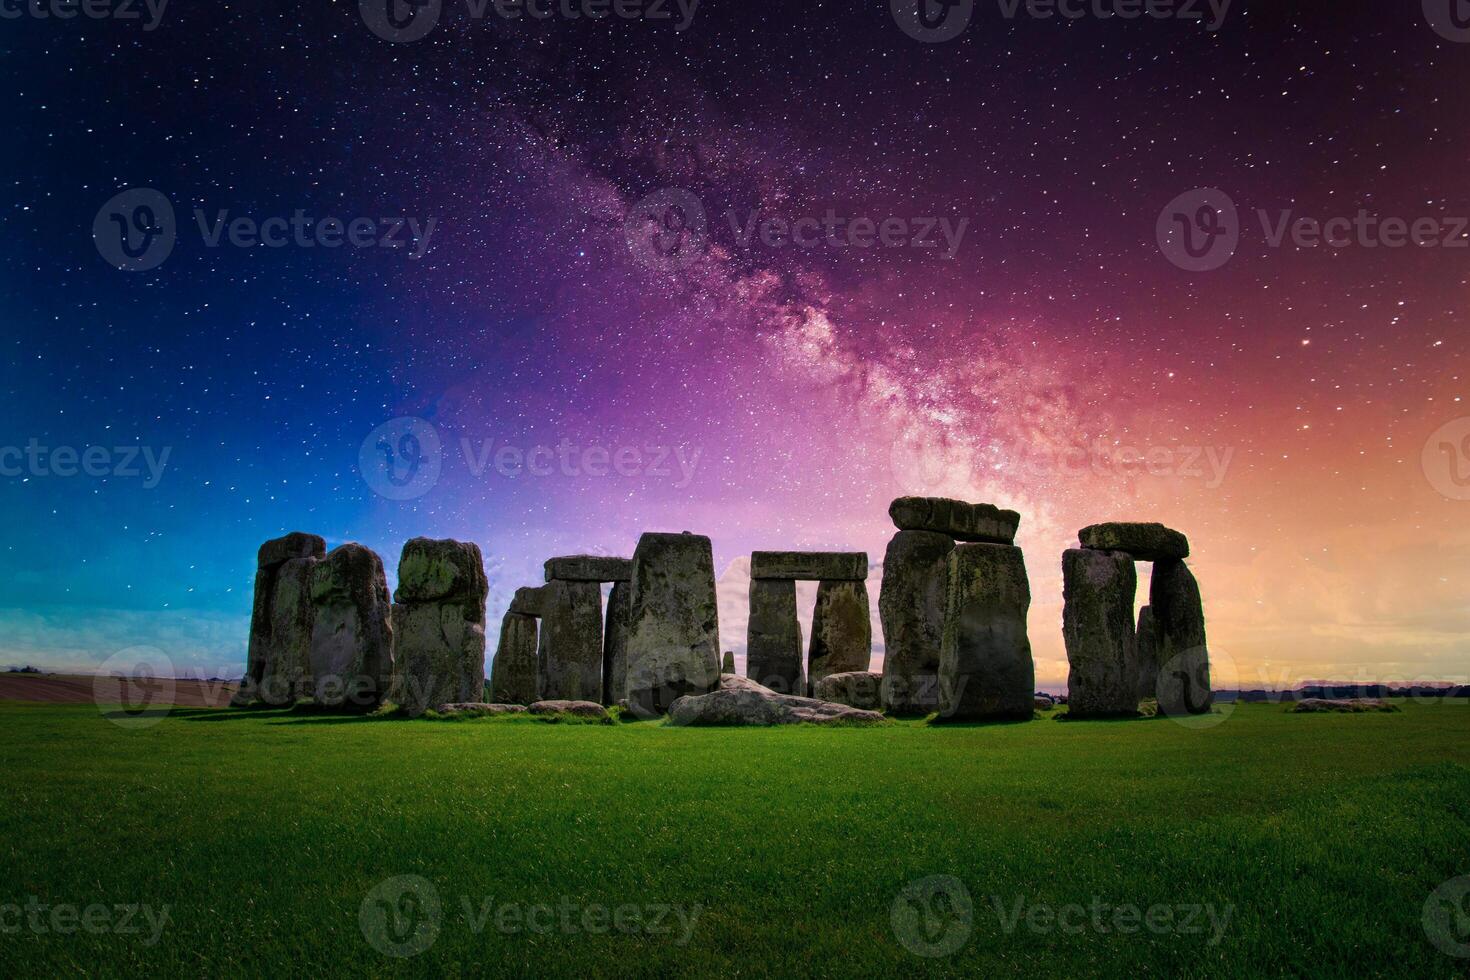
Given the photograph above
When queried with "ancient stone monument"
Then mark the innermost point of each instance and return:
(842, 632)
(438, 625)
(581, 660)
(727, 663)
(352, 634)
(513, 672)
(911, 600)
(278, 662)
(1115, 664)
(673, 622)
(985, 666)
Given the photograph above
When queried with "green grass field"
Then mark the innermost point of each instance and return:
(1314, 840)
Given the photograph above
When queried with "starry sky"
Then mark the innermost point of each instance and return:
(1296, 411)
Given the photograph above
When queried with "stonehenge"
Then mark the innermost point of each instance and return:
(953, 605)
(673, 622)
(438, 625)
(352, 634)
(1115, 664)
(278, 659)
(842, 632)
(985, 667)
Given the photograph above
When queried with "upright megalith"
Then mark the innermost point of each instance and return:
(439, 625)
(513, 672)
(842, 630)
(673, 633)
(571, 641)
(1183, 685)
(352, 633)
(615, 644)
(1098, 588)
(278, 661)
(773, 637)
(911, 610)
(529, 601)
(976, 523)
(727, 665)
(1149, 643)
(985, 667)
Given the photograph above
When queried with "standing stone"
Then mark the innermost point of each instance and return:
(352, 635)
(842, 631)
(1149, 642)
(571, 640)
(1098, 589)
(439, 625)
(773, 637)
(277, 670)
(615, 644)
(985, 668)
(911, 610)
(513, 673)
(674, 630)
(1184, 658)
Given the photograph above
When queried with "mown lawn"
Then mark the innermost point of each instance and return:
(1313, 841)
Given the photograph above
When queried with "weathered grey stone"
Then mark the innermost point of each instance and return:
(277, 663)
(1146, 542)
(809, 565)
(842, 631)
(564, 706)
(1098, 588)
(674, 631)
(432, 570)
(589, 568)
(615, 643)
(740, 701)
(1044, 703)
(352, 633)
(438, 625)
(1183, 685)
(571, 640)
(513, 672)
(985, 667)
(773, 654)
(984, 523)
(911, 610)
(727, 663)
(477, 708)
(856, 689)
(529, 601)
(1149, 644)
(1348, 706)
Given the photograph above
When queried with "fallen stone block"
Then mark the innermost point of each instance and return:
(1351, 706)
(477, 709)
(562, 706)
(856, 689)
(743, 702)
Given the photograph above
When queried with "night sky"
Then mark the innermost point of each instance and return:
(1288, 405)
